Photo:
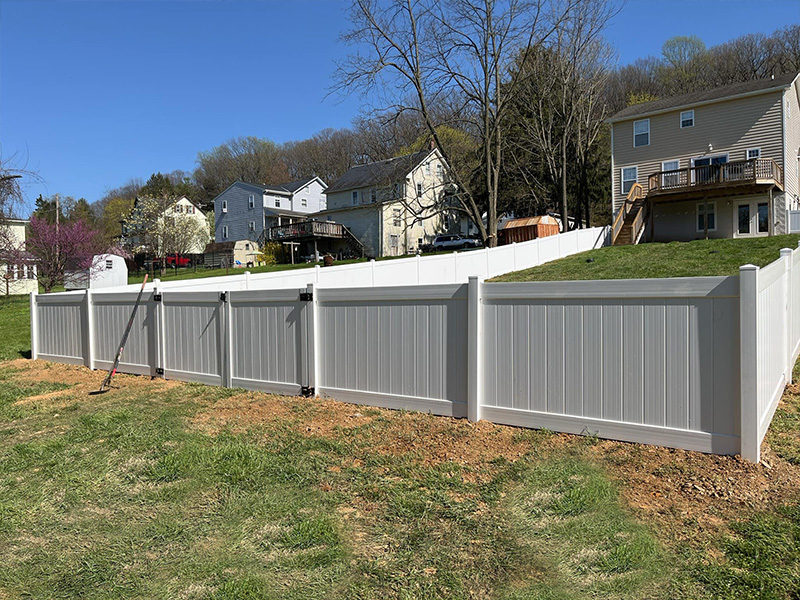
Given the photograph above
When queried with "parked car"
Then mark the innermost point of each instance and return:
(454, 242)
(173, 260)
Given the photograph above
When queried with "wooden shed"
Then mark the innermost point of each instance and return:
(527, 228)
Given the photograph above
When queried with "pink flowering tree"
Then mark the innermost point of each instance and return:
(70, 246)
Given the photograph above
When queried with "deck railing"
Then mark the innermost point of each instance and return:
(635, 193)
(307, 229)
(742, 171)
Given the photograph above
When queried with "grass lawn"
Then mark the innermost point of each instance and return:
(675, 259)
(168, 489)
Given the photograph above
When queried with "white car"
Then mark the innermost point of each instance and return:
(454, 242)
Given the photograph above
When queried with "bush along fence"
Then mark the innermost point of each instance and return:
(695, 363)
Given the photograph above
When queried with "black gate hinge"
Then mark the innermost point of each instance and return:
(223, 296)
(156, 297)
(306, 391)
(306, 296)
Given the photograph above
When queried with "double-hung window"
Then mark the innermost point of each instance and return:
(224, 232)
(252, 226)
(224, 206)
(396, 217)
(373, 195)
(687, 119)
(355, 197)
(277, 202)
(629, 175)
(419, 190)
(641, 133)
(251, 201)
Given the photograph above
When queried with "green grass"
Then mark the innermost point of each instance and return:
(15, 327)
(675, 259)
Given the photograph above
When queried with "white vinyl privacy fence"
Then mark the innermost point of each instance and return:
(695, 363)
(454, 267)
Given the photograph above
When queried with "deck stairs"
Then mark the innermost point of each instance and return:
(629, 223)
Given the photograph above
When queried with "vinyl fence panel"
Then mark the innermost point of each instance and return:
(624, 359)
(395, 347)
(269, 332)
(194, 337)
(62, 328)
(111, 313)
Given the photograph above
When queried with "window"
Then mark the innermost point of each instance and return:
(711, 216)
(251, 201)
(669, 179)
(303, 201)
(629, 175)
(641, 133)
(396, 191)
(396, 217)
(427, 168)
(753, 153)
(277, 202)
(355, 197)
(247, 246)
(224, 206)
(373, 195)
(224, 231)
(109, 265)
(419, 190)
(252, 226)
(687, 119)
(763, 217)
(32, 272)
(178, 208)
(439, 170)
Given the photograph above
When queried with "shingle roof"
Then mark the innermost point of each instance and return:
(379, 173)
(736, 89)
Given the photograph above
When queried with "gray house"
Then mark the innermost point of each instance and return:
(246, 211)
(719, 163)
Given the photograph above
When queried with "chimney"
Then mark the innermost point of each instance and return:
(432, 144)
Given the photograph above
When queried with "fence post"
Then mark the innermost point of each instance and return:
(312, 337)
(227, 341)
(786, 254)
(372, 272)
(34, 327)
(419, 258)
(455, 266)
(247, 280)
(89, 330)
(159, 329)
(750, 446)
(475, 349)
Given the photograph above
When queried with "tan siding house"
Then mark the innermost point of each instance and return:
(729, 152)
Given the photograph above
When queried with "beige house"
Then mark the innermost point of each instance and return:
(176, 216)
(721, 163)
(18, 277)
(394, 206)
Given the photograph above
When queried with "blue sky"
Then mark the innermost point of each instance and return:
(94, 92)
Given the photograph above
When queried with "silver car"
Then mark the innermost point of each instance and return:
(454, 242)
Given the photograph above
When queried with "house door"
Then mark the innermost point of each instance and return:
(750, 219)
(707, 169)
(670, 179)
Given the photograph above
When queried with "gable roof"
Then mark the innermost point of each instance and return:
(759, 86)
(383, 172)
(283, 189)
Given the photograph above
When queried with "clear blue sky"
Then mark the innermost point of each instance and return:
(94, 92)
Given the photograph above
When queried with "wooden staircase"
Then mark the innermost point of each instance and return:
(630, 220)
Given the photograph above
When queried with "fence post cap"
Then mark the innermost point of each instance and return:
(156, 282)
(748, 267)
(798, 243)
(786, 251)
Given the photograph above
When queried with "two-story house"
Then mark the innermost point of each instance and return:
(392, 206)
(720, 163)
(247, 211)
(157, 225)
(17, 267)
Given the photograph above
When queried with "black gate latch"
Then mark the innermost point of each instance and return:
(306, 296)
(223, 296)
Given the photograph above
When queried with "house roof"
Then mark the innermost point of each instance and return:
(527, 221)
(219, 247)
(725, 92)
(284, 189)
(381, 173)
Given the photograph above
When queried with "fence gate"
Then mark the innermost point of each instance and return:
(193, 335)
(271, 340)
(111, 312)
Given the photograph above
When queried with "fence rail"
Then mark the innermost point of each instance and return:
(696, 363)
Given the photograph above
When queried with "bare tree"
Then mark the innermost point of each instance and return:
(456, 51)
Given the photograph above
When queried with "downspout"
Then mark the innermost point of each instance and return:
(613, 212)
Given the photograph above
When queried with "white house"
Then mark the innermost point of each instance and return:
(247, 211)
(182, 208)
(394, 206)
(107, 270)
(19, 275)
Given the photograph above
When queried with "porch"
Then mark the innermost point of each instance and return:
(738, 177)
